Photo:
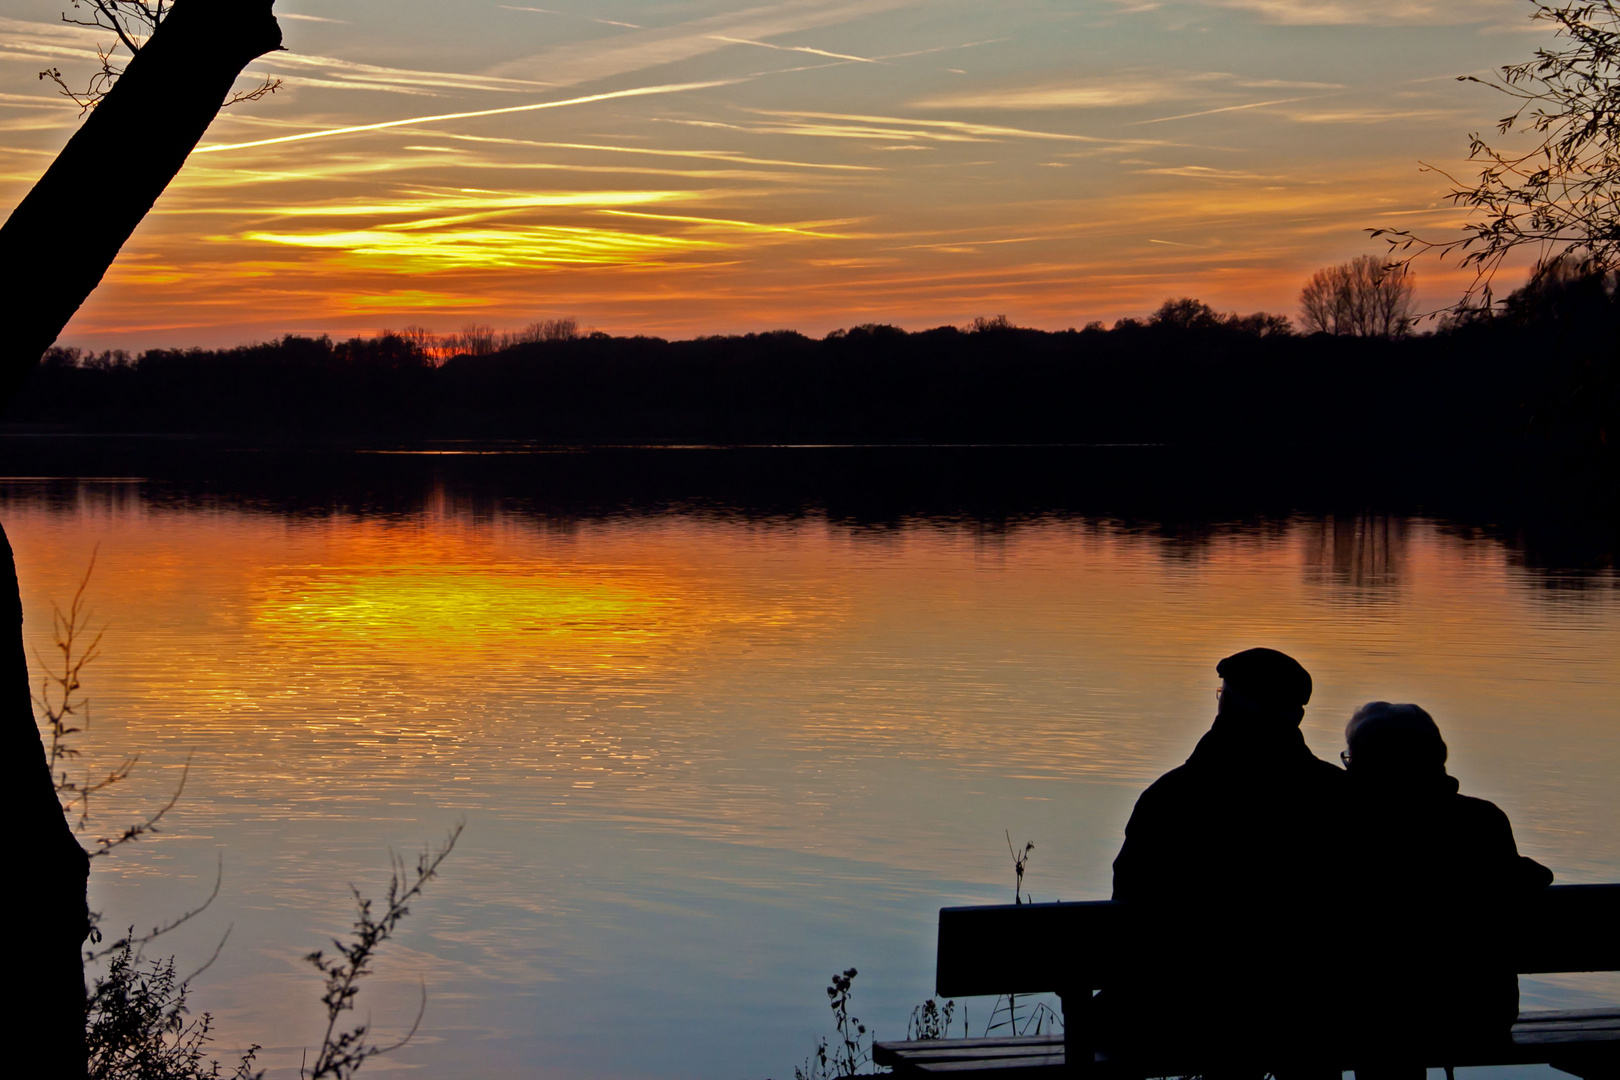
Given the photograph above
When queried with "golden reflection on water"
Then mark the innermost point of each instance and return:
(445, 607)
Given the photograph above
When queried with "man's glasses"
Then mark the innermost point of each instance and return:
(1344, 756)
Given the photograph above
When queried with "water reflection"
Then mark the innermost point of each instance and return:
(710, 741)
(1363, 555)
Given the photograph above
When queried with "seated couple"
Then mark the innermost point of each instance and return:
(1305, 915)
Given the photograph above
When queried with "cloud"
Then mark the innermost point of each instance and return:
(355, 129)
(1113, 90)
(1364, 12)
(707, 155)
(588, 18)
(639, 50)
(809, 229)
(486, 248)
(1204, 172)
(854, 125)
(796, 48)
(1221, 109)
(1370, 116)
(461, 205)
(398, 80)
(1102, 92)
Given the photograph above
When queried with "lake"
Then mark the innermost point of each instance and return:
(712, 740)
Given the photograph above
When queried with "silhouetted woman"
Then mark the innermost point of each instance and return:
(1434, 875)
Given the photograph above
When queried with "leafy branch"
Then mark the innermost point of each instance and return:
(1559, 197)
(343, 1052)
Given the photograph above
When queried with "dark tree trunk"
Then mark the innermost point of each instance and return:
(61, 238)
(46, 975)
(58, 242)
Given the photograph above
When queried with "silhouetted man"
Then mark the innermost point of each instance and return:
(1434, 876)
(1229, 862)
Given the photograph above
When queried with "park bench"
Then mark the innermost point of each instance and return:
(1073, 949)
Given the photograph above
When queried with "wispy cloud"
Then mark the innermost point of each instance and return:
(1113, 90)
(648, 48)
(567, 14)
(1102, 92)
(1222, 109)
(707, 155)
(484, 249)
(355, 129)
(856, 125)
(1362, 12)
(459, 204)
(1204, 172)
(795, 48)
(1370, 115)
(808, 229)
(377, 77)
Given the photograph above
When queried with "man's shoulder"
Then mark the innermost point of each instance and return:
(1180, 778)
(1481, 813)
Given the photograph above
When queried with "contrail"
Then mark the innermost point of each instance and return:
(1212, 112)
(639, 92)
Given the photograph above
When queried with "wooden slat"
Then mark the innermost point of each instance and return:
(1037, 948)
(1553, 1016)
(1050, 1061)
(1538, 1037)
(895, 1046)
(982, 1055)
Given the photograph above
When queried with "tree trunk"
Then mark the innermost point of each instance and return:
(50, 868)
(61, 238)
(59, 242)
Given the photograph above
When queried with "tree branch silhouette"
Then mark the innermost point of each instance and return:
(1560, 198)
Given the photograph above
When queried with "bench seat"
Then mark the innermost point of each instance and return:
(1585, 1042)
(1088, 945)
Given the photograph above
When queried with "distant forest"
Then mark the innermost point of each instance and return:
(1537, 378)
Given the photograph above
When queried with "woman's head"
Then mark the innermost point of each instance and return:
(1394, 740)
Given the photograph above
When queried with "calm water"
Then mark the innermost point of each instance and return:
(706, 757)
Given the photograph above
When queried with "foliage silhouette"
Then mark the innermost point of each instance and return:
(930, 1020)
(1187, 377)
(1558, 198)
(344, 1051)
(1360, 298)
(853, 1050)
(137, 1028)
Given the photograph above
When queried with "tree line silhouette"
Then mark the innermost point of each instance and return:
(1540, 374)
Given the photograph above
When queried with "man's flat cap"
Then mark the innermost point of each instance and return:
(1268, 675)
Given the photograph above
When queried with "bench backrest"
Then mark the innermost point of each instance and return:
(1038, 948)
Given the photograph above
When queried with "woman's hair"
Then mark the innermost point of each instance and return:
(1386, 736)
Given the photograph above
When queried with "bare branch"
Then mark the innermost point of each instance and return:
(342, 1052)
(139, 942)
(105, 844)
(133, 22)
(214, 956)
(264, 89)
(1559, 198)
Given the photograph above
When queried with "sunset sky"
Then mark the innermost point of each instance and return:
(715, 166)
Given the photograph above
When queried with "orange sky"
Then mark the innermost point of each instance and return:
(703, 166)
